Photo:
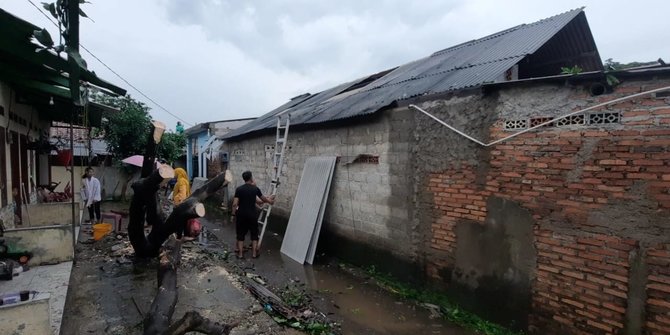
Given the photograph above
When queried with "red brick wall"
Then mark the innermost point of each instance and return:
(658, 290)
(575, 181)
(581, 283)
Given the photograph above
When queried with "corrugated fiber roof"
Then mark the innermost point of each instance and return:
(462, 66)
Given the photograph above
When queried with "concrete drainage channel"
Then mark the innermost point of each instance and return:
(357, 306)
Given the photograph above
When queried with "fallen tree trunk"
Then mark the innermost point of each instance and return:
(145, 207)
(157, 321)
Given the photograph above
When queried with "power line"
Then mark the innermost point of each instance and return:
(110, 69)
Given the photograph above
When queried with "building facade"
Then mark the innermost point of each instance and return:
(558, 230)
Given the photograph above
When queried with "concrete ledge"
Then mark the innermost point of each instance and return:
(48, 244)
(53, 280)
(51, 213)
(30, 317)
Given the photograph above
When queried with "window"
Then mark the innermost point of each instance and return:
(194, 147)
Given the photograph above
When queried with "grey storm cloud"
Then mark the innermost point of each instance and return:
(211, 60)
(313, 36)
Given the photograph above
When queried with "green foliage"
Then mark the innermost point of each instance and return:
(172, 146)
(59, 12)
(612, 80)
(571, 70)
(449, 310)
(312, 328)
(126, 132)
(294, 296)
(611, 65)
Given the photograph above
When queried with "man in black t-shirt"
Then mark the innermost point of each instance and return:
(244, 208)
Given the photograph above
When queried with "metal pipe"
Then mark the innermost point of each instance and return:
(74, 223)
(607, 103)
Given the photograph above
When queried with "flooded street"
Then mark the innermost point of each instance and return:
(111, 291)
(360, 307)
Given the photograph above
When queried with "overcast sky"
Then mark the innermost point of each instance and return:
(212, 60)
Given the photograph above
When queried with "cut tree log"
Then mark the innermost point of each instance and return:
(157, 321)
(144, 207)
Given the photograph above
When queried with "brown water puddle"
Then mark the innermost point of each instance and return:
(360, 307)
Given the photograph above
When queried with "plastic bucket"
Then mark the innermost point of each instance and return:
(100, 230)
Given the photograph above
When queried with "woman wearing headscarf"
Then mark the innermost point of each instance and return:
(182, 189)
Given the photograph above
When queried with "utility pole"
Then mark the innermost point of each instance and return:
(72, 49)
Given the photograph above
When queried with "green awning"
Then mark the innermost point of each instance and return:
(22, 65)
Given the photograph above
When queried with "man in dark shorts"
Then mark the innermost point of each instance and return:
(244, 208)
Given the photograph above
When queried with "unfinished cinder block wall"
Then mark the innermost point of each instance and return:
(370, 202)
(562, 230)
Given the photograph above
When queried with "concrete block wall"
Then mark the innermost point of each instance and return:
(594, 200)
(370, 200)
(48, 244)
(46, 214)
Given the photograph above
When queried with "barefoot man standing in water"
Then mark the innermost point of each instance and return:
(244, 208)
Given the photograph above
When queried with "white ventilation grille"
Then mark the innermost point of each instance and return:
(605, 118)
(516, 124)
(571, 120)
(574, 120)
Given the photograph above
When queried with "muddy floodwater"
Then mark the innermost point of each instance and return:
(360, 307)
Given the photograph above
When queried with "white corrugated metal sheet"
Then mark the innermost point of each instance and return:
(304, 225)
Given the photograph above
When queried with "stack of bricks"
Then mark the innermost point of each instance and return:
(563, 175)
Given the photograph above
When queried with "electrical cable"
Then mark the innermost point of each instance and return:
(111, 70)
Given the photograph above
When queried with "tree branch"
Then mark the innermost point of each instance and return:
(193, 321)
(162, 308)
(143, 207)
(150, 150)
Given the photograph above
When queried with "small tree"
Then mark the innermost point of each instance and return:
(122, 130)
(172, 146)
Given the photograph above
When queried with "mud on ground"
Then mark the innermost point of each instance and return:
(110, 290)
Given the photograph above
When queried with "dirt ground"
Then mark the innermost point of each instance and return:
(110, 290)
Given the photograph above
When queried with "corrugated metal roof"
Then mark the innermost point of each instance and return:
(466, 65)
